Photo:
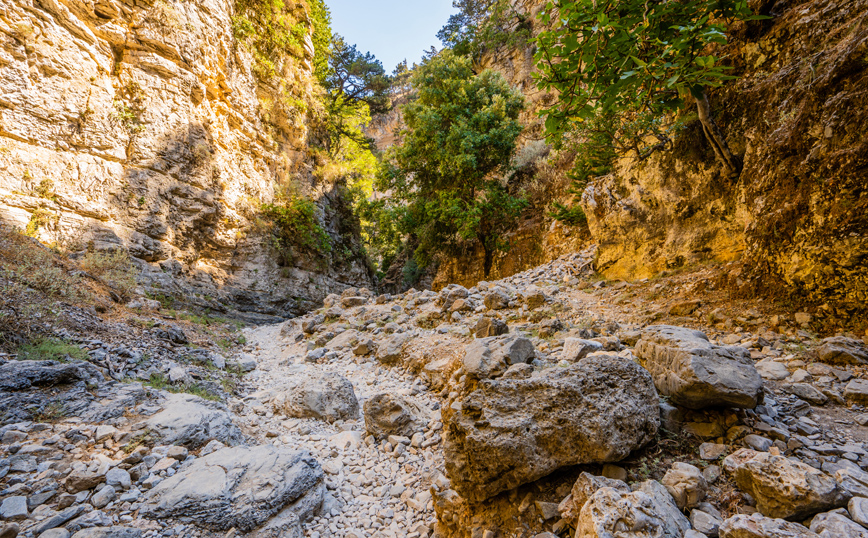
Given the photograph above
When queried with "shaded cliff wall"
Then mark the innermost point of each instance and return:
(139, 124)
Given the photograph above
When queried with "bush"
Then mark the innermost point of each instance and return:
(114, 267)
(295, 225)
(50, 349)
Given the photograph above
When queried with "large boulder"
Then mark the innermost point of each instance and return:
(695, 373)
(646, 512)
(759, 526)
(238, 487)
(506, 432)
(192, 421)
(388, 414)
(307, 392)
(490, 357)
(783, 487)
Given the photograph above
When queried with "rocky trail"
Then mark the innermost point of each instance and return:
(550, 403)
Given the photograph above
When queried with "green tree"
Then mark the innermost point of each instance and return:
(357, 86)
(461, 131)
(621, 67)
(480, 25)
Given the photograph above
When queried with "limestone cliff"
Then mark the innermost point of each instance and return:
(796, 216)
(139, 124)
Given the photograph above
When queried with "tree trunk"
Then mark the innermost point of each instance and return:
(489, 260)
(716, 138)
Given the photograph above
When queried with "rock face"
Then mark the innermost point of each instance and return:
(141, 131)
(783, 487)
(674, 209)
(508, 432)
(192, 421)
(308, 392)
(695, 373)
(388, 414)
(648, 511)
(237, 487)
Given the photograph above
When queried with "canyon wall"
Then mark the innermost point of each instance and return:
(796, 217)
(139, 125)
(795, 221)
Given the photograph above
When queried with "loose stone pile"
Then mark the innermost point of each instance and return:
(495, 411)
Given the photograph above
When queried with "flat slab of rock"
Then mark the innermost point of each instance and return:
(108, 532)
(193, 421)
(759, 526)
(310, 393)
(510, 431)
(239, 487)
(784, 487)
(695, 373)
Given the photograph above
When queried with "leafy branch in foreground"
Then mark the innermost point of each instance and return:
(633, 62)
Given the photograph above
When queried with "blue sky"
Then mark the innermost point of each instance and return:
(391, 29)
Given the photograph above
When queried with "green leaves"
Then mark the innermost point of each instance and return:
(461, 132)
(632, 59)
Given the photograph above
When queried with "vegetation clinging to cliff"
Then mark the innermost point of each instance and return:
(622, 69)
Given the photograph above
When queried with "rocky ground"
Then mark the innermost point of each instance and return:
(550, 403)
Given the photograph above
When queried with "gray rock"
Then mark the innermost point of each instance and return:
(496, 300)
(649, 510)
(706, 523)
(192, 421)
(578, 348)
(60, 518)
(842, 350)
(55, 533)
(757, 442)
(686, 484)
(507, 432)
(759, 526)
(807, 392)
(22, 375)
(695, 373)
(239, 487)
(310, 392)
(711, 451)
(784, 487)
(389, 414)
(103, 497)
(391, 351)
(857, 391)
(108, 532)
(118, 478)
(836, 525)
(490, 357)
(14, 508)
(9, 531)
(858, 508)
(772, 370)
(486, 327)
(583, 489)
